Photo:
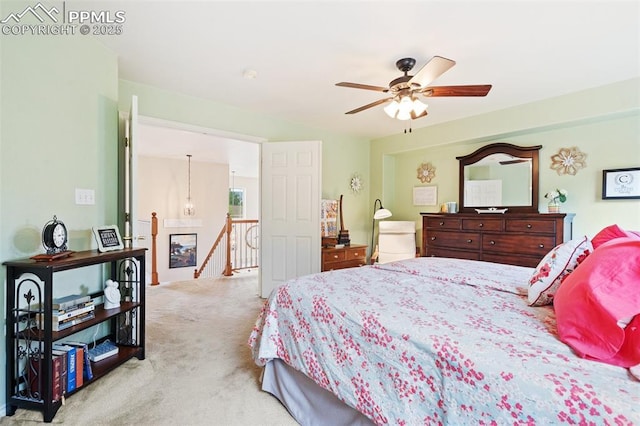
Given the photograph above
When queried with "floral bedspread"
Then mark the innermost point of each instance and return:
(438, 341)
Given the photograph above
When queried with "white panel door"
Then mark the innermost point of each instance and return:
(290, 212)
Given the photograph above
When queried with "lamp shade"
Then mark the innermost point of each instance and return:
(392, 109)
(419, 107)
(382, 214)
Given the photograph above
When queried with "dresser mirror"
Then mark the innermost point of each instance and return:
(500, 176)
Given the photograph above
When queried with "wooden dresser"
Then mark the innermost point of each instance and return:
(517, 238)
(345, 257)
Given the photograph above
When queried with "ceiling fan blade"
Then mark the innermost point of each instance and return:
(371, 105)
(363, 86)
(469, 90)
(507, 162)
(432, 70)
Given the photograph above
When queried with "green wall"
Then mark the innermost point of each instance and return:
(603, 122)
(59, 132)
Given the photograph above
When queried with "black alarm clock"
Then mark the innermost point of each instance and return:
(55, 236)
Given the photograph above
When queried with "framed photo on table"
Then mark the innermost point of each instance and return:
(108, 238)
(619, 184)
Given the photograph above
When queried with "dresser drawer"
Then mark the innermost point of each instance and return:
(331, 266)
(510, 259)
(442, 223)
(344, 257)
(355, 253)
(534, 245)
(334, 256)
(458, 254)
(528, 226)
(482, 224)
(462, 240)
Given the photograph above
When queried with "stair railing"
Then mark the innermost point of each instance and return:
(235, 248)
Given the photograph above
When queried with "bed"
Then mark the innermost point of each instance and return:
(430, 341)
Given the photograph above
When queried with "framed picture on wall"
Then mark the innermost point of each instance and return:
(183, 249)
(620, 184)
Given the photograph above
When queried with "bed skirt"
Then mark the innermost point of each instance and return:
(307, 402)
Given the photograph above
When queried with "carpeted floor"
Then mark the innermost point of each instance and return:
(198, 368)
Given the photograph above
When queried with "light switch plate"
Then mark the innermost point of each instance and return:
(85, 196)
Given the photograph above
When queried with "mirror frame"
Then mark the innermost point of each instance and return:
(506, 148)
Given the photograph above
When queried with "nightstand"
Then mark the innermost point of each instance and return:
(344, 257)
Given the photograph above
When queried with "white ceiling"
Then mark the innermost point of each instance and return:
(528, 50)
(166, 141)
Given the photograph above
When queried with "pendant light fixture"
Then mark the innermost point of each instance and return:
(189, 208)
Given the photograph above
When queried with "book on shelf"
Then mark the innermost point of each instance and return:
(71, 365)
(74, 309)
(69, 301)
(57, 316)
(70, 322)
(63, 369)
(87, 372)
(79, 367)
(36, 380)
(102, 351)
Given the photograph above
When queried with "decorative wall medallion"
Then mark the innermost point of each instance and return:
(568, 161)
(356, 183)
(426, 172)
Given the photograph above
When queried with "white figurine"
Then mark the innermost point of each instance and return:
(111, 295)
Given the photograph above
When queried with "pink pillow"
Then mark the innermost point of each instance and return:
(554, 268)
(607, 234)
(602, 291)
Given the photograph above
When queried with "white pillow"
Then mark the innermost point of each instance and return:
(554, 268)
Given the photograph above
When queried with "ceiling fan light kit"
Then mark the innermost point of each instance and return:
(407, 108)
(404, 104)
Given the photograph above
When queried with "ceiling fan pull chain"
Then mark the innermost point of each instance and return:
(405, 130)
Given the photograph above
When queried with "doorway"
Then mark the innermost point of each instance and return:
(164, 177)
(294, 168)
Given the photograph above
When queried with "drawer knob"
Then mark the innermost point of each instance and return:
(480, 225)
(469, 241)
(493, 243)
(335, 256)
(355, 253)
(529, 226)
(541, 245)
(433, 238)
(441, 223)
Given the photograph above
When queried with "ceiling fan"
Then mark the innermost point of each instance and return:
(404, 103)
